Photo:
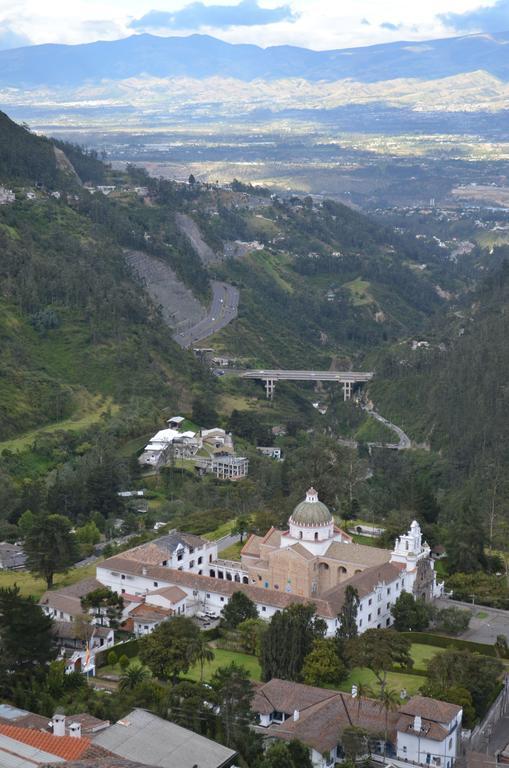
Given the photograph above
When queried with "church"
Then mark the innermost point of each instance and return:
(312, 560)
(314, 556)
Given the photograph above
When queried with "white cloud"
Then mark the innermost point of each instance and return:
(319, 24)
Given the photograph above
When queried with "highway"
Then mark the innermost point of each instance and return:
(282, 375)
(223, 309)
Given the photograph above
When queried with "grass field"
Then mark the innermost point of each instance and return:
(397, 681)
(233, 552)
(359, 290)
(223, 658)
(30, 585)
(223, 530)
(94, 410)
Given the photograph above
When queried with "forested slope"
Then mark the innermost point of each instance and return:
(455, 394)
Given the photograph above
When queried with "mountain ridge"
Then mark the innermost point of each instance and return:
(202, 56)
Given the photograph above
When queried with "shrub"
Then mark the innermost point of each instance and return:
(123, 662)
(112, 658)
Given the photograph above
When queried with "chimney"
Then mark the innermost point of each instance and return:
(418, 723)
(296, 714)
(58, 724)
(75, 730)
(355, 691)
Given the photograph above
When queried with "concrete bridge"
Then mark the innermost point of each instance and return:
(347, 378)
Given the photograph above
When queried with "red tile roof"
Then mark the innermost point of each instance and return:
(66, 747)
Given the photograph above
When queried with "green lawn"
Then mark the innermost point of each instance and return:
(223, 530)
(31, 585)
(423, 653)
(223, 658)
(233, 552)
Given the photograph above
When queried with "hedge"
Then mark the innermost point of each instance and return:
(442, 641)
(129, 649)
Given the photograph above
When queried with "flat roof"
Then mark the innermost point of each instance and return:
(147, 738)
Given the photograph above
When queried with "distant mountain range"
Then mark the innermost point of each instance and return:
(201, 56)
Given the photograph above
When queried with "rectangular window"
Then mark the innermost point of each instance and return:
(191, 563)
(222, 599)
(379, 611)
(208, 595)
(388, 590)
(370, 601)
(156, 583)
(263, 608)
(360, 622)
(369, 617)
(180, 556)
(200, 560)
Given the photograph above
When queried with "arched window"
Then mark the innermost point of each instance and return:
(341, 571)
(316, 535)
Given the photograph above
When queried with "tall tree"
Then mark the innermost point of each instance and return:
(168, 650)
(50, 547)
(465, 541)
(26, 639)
(105, 605)
(380, 650)
(348, 616)
(323, 666)
(288, 640)
(234, 693)
(239, 608)
(200, 651)
(389, 702)
(410, 615)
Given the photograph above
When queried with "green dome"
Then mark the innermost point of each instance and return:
(311, 511)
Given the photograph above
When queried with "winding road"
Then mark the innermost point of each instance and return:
(223, 309)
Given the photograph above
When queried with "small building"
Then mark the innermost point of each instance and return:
(271, 451)
(145, 618)
(142, 736)
(64, 604)
(175, 422)
(6, 196)
(230, 467)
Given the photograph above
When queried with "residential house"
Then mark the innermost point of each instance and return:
(422, 731)
(64, 604)
(271, 451)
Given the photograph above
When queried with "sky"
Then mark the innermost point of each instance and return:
(317, 24)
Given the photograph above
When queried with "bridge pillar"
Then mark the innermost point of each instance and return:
(270, 386)
(347, 390)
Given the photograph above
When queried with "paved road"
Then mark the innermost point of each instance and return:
(227, 541)
(404, 441)
(282, 375)
(485, 624)
(223, 309)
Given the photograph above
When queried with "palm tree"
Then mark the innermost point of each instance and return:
(135, 674)
(389, 701)
(364, 691)
(199, 650)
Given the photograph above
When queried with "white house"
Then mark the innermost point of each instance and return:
(317, 717)
(429, 732)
